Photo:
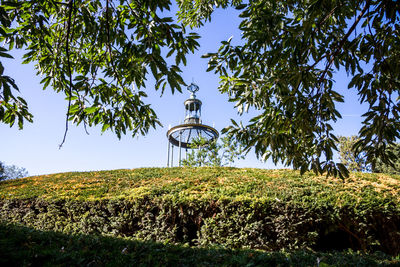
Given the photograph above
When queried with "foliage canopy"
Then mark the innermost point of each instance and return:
(95, 52)
(285, 69)
(394, 168)
(2, 171)
(357, 161)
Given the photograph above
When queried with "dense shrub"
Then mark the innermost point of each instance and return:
(233, 224)
(21, 246)
(255, 209)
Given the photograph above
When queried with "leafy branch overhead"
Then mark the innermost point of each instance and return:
(96, 53)
(285, 69)
(357, 161)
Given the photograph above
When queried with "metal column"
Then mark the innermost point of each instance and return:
(180, 147)
(172, 156)
(169, 144)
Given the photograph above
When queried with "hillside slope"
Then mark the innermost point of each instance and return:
(201, 207)
(204, 183)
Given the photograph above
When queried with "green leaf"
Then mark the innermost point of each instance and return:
(91, 110)
(5, 55)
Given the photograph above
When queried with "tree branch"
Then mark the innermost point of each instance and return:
(61, 3)
(333, 55)
(81, 101)
(360, 242)
(70, 6)
(325, 18)
(320, 23)
(109, 46)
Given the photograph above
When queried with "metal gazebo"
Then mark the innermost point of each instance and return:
(183, 135)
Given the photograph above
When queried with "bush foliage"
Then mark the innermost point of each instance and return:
(226, 207)
(22, 246)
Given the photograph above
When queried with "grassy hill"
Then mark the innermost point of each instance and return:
(205, 183)
(208, 208)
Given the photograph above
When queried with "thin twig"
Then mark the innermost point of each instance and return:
(61, 3)
(325, 18)
(70, 6)
(109, 47)
(333, 55)
(81, 101)
(319, 25)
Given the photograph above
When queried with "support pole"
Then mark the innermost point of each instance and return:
(180, 147)
(172, 156)
(169, 145)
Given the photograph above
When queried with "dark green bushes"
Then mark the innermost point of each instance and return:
(267, 225)
(22, 246)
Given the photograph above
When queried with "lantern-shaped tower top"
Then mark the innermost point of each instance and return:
(193, 106)
(184, 135)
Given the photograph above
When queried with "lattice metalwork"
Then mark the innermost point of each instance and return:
(183, 135)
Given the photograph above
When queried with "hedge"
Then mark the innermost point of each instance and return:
(234, 224)
(236, 208)
(22, 246)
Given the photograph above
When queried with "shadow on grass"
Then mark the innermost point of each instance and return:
(22, 246)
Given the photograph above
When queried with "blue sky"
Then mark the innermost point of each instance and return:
(36, 146)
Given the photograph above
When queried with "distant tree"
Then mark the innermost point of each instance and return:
(394, 166)
(223, 153)
(2, 174)
(349, 157)
(12, 172)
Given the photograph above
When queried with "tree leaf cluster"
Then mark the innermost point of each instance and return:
(394, 166)
(12, 108)
(98, 54)
(357, 161)
(285, 70)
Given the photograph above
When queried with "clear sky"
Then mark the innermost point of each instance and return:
(36, 146)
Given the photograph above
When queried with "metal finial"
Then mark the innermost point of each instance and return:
(193, 88)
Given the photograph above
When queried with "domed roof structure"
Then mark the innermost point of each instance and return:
(183, 135)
